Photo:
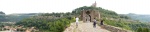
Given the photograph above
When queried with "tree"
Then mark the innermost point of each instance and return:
(142, 30)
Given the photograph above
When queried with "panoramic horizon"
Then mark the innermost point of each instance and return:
(49, 6)
(74, 16)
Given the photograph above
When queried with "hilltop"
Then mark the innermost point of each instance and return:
(104, 12)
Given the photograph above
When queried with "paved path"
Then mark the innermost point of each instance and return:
(84, 27)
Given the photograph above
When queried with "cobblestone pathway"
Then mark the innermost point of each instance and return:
(85, 27)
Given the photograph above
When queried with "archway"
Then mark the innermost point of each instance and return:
(88, 16)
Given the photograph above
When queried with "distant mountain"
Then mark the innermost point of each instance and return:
(2, 16)
(142, 18)
(19, 17)
(16, 17)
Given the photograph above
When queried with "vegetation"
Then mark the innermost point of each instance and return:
(143, 30)
(129, 25)
(142, 18)
(119, 20)
(47, 25)
(2, 16)
(104, 12)
(68, 14)
(2, 24)
(59, 21)
(15, 18)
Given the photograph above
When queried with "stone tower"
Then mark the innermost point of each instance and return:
(90, 14)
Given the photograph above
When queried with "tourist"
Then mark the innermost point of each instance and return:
(77, 21)
(102, 22)
(94, 23)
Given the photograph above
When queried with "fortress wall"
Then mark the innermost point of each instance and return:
(114, 29)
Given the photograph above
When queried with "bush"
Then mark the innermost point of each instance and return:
(142, 30)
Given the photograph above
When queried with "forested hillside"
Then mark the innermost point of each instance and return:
(48, 22)
(2, 16)
(142, 18)
(19, 17)
(15, 17)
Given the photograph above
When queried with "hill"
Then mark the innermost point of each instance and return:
(142, 18)
(15, 17)
(57, 22)
(19, 17)
(104, 12)
(2, 16)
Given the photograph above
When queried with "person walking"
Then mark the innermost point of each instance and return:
(77, 21)
(94, 23)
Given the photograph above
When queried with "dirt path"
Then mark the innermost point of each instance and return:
(85, 27)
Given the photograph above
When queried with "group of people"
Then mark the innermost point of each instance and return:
(94, 22)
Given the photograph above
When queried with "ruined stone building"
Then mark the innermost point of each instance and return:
(90, 14)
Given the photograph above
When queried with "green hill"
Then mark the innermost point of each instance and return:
(103, 12)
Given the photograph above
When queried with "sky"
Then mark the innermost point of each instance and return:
(49, 6)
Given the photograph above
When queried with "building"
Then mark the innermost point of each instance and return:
(90, 14)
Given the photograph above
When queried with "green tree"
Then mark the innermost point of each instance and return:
(142, 30)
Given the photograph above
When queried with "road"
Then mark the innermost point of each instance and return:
(84, 27)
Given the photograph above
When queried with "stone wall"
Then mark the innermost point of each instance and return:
(114, 29)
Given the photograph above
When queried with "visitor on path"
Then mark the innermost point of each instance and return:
(94, 23)
(77, 21)
(102, 22)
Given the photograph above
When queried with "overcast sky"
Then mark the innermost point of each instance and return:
(48, 6)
